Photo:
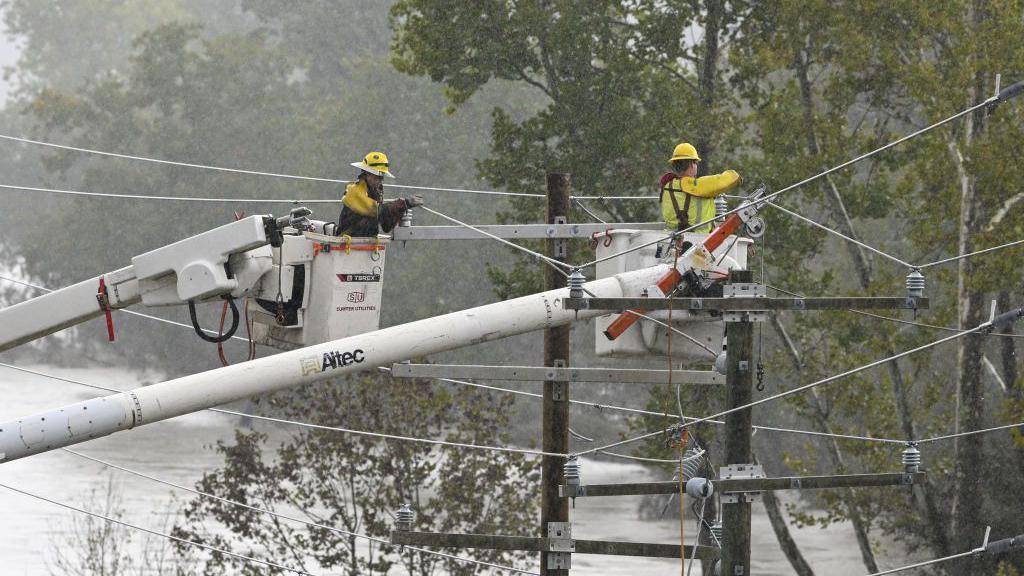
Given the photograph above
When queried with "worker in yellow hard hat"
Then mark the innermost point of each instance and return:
(687, 200)
(364, 212)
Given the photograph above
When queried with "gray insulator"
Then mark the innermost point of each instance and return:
(691, 463)
(911, 458)
(721, 206)
(722, 363)
(915, 284)
(572, 470)
(716, 532)
(576, 282)
(699, 488)
(406, 220)
(404, 518)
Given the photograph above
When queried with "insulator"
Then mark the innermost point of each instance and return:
(911, 458)
(406, 220)
(721, 206)
(572, 470)
(404, 518)
(722, 363)
(915, 283)
(576, 282)
(716, 532)
(699, 488)
(691, 463)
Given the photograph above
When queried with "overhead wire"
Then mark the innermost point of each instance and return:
(807, 180)
(557, 265)
(106, 518)
(840, 235)
(249, 172)
(601, 407)
(799, 389)
(285, 516)
(896, 320)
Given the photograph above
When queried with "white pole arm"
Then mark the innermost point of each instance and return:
(60, 309)
(102, 416)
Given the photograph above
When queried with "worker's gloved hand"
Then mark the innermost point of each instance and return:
(414, 201)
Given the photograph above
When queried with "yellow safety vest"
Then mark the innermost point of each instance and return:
(692, 199)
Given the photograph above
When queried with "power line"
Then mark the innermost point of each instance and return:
(985, 325)
(968, 255)
(555, 264)
(249, 172)
(897, 320)
(284, 516)
(156, 533)
(805, 180)
(601, 407)
(840, 235)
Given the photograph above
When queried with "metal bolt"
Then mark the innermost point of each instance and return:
(404, 518)
(911, 458)
(576, 281)
(572, 471)
(915, 283)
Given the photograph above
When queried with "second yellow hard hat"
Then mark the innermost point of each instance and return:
(684, 151)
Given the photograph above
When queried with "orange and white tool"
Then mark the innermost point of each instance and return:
(696, 257)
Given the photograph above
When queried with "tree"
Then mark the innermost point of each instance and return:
(92, 546)
(354, 483)
(621, 83)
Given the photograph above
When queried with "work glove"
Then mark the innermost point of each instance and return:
(414, 201)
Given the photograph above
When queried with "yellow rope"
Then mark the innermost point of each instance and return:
(682, 441)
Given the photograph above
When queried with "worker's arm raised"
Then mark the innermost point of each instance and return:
(712, 185)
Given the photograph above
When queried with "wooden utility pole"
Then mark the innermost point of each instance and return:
(556, 393)
(739, 383)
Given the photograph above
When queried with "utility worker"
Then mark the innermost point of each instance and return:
(686, 199)
(363, 209)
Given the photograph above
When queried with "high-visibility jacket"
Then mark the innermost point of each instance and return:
(364, 210)
(692, 199)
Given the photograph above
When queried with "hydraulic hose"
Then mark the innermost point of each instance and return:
(215, 339)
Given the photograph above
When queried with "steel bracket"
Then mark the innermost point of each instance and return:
(560, 545)
(561, 244)
(745, 290)
(559, 388)
(735, 471)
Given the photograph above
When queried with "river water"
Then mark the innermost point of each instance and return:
(178, 450)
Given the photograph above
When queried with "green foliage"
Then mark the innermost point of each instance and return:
(354, 482)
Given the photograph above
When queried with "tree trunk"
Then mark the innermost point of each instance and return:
(969, 458)
(706, 82)
(782, 534)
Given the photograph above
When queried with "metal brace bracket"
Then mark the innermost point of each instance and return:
(561, 244)
(559, 390)
(745, 290)
(740, 471)
(560, 545)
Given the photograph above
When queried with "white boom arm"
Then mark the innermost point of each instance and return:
(102, 416)
(224, 261)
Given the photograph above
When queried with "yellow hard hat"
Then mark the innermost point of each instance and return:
(684, 151)
(375, 163)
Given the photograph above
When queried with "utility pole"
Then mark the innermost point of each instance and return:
(739, 383)
(555, 419)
